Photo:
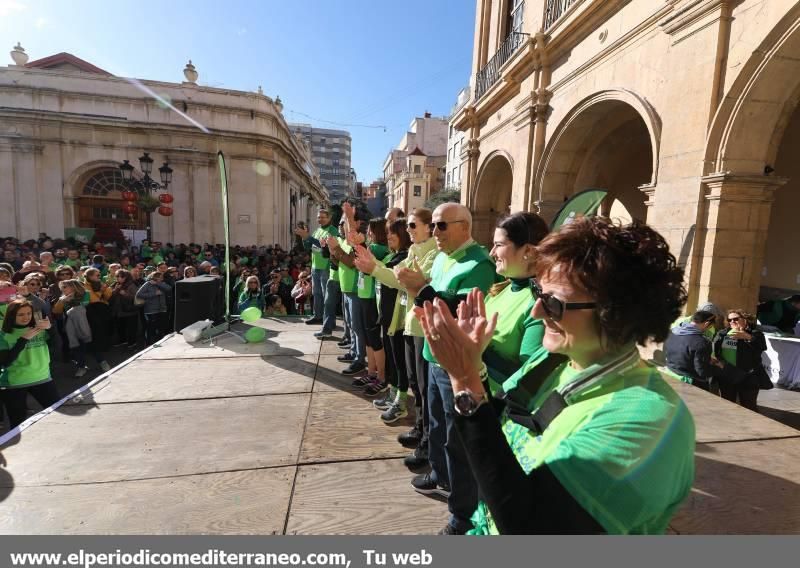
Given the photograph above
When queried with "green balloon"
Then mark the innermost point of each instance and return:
(255, 334)
(251, 314)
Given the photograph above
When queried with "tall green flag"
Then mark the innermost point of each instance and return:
(585, 203)
(223, 180)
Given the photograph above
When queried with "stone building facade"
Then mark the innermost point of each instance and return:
(65, 127)
(685, 110)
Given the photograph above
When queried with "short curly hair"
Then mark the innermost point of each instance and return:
(627, 269)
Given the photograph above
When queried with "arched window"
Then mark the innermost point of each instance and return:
(106, 181)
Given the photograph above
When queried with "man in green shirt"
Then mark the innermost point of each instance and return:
(461, 265)
(320, 261)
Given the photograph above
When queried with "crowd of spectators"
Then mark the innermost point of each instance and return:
(95, 297)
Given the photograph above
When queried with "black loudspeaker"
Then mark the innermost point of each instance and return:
(197, 299)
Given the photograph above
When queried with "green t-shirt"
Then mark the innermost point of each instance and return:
(728, 351)
(347, 275)
(517, 335)
(366, 282)
(319, 262)
(623, 448)
(31, 367)
(74, 264)
(146, 252)
(458, 273)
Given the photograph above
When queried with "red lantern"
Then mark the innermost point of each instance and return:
(165, 211)
(165, 198)
(129, 196)
(129, 208)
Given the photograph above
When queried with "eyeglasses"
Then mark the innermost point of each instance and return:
(734, 319)
(555, 307)
(442, 225)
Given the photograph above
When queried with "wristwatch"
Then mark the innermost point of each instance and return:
(467, 402)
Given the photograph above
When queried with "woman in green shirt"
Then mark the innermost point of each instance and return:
(518, 335)
(25, 362)
(604, 445)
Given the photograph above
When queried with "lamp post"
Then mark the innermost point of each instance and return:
(145, 187)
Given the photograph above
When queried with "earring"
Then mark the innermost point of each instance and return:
(525, 257)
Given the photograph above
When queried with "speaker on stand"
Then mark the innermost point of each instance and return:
(198, 298)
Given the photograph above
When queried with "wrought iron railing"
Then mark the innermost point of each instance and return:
(490, 73)
(555, 9)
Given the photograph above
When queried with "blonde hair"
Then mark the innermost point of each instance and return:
(75, 283)
(252, 279)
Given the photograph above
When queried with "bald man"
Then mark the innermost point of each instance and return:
(461, 265)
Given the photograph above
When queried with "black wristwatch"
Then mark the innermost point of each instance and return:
(467, 402)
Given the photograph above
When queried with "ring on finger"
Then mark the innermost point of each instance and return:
(435, 337)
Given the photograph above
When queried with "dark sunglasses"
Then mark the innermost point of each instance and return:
(442, 225)
(555, 307)
(735, 319)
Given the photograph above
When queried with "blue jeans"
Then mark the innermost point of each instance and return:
(332, 295)
(446, 452)
(359, 342)
(319, 280)
(346, 317)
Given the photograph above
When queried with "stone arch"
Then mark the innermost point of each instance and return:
(751, 184)
(749, 124)
(491, 198)
(604, 129)
(82, 209)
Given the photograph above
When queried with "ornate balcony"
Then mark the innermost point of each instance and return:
(555, 9)
(490, 73)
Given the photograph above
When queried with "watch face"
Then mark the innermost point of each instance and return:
(464, 403)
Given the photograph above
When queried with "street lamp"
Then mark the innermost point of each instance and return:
(145, 186)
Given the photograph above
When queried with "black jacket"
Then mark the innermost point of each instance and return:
(688, 352)
(748, 353)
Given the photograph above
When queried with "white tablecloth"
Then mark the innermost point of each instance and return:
(782, 361)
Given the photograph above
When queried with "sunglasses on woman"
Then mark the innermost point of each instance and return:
(555, 307)
(734, 319)
(442, 225)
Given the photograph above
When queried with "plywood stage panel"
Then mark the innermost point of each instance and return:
(371, 497)
(243, 502)
(116, 442)
(154, 380)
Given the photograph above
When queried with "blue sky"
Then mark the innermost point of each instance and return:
(370, 62)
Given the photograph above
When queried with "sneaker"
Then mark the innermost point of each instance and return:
(105, 366)
(323, 335)
(344, 343)
(355, 368)
(451, 530)
(376, 387)
(81, 372)
(346, 358)
(361, 382)
(345, 346)
(425, 485)
(384, 402)
(394, 413)
(411, 438)
(313, 321)
(418, 460)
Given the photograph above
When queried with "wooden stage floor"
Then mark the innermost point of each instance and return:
(270, 439)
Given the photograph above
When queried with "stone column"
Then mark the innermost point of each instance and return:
(734, 237)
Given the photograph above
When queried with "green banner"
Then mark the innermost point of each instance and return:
(584, 203)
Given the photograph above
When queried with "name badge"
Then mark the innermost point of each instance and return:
(404, 298)
(360, 280)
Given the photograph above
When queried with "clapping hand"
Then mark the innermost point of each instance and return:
(32, 332)
(458, 344)
(301, 232)
(365, 260)
(412, 279)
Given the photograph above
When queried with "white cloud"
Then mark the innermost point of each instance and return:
(9, 7)
(40, 23)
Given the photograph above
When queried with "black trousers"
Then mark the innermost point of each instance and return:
(45, 394)
(417, 370)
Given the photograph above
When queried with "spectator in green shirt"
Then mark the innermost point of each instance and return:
(605, 446)
(320, 263)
